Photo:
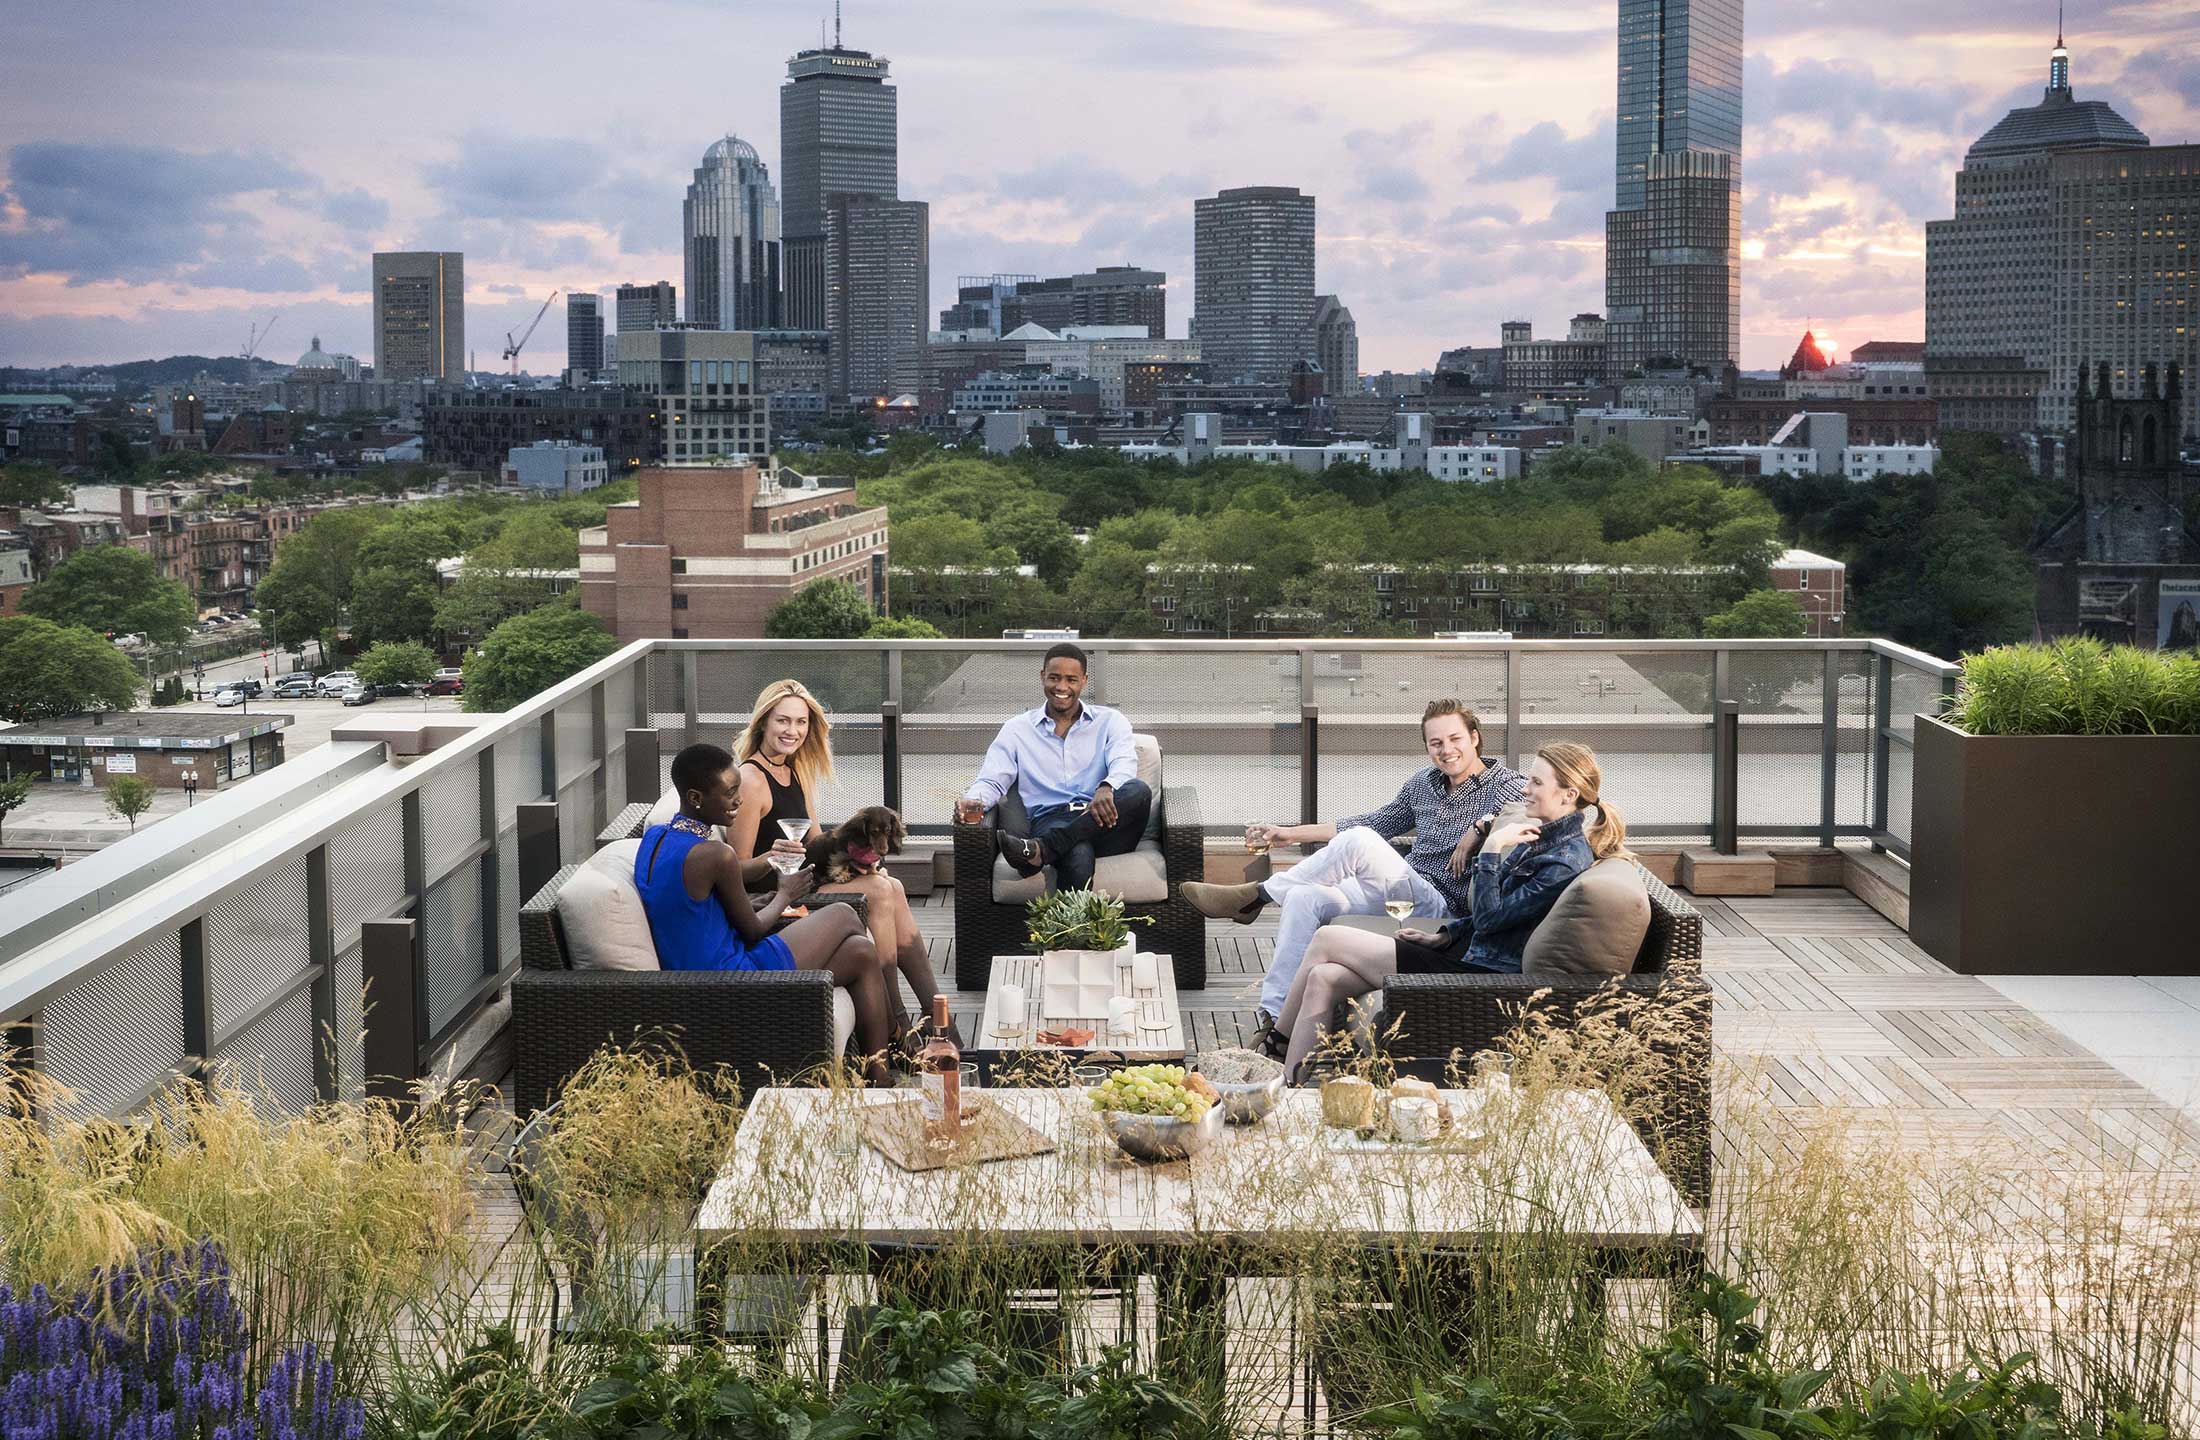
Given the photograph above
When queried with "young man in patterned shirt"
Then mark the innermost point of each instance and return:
(1447, 808)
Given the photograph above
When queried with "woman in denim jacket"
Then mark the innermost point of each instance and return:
(1569, 827)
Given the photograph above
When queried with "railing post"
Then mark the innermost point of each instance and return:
(1726, 765)
(538, 848)
(889, 753)
(328, 1072)
(644, 767)
(1882, 746)
(1310, 760)
(1516, 752)
(198, 996)
(415, 1010)
(1829, 759)
(394, 995)
(690, 707)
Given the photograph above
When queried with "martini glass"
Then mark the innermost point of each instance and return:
(784, 863)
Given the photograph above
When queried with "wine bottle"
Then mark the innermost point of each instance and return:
(940, 1063)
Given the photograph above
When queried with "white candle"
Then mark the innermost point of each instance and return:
(1011, 1003)
(1122, 1011)
(1144, 975)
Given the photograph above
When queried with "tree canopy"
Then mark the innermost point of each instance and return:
(396, 662)
(1759, 615)
(112, 588)
(821, 610)
(529, 653)
(48, 670)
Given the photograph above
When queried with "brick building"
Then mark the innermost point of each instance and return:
(708, 550)
(1820, 585)
(1994, 394)
(1755, 420)
(476, 429)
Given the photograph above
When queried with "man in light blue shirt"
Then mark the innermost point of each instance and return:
(1077, 771)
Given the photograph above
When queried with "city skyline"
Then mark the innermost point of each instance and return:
(1463, 164)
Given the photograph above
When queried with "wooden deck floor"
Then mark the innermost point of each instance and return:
(1825, 1005)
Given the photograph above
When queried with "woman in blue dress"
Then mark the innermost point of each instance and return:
(702, 918)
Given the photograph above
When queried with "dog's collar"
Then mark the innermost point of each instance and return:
(865, 856)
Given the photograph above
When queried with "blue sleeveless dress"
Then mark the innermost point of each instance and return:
(693, 934)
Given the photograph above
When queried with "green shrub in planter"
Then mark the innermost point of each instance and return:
(2077, 686)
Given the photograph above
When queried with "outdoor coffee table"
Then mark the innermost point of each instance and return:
(802, 1177)
(1160, 1025)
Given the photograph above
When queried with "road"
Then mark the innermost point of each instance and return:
(249, 665)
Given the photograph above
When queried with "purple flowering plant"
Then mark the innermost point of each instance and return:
(156, 1349)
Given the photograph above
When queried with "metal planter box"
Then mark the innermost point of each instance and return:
(2056, 854)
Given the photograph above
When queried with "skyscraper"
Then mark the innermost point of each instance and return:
(1252, 281)
(1334, 344)
(878, 287)
(645, 307)
(731, 223)
(2067, 245)
(837, 136)
(419, 315)
(1673, 239)
(584, 332)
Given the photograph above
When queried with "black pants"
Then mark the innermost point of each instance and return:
(1448, 958)
(1075, 839)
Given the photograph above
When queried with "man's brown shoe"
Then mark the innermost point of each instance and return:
(1241, 903)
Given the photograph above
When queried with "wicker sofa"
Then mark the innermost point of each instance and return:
(765, 1025)
(989, 903)
(1439, 1016)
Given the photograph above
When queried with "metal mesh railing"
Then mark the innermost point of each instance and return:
(253, 923)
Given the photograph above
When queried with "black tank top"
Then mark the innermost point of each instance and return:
(787, 804)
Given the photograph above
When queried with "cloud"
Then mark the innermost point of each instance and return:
(1543, 151)
(132, 212)
(356, 209)
(513, 177)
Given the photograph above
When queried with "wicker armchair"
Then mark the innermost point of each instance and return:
(766, 1025)
(1442, 1015)
(986, 927)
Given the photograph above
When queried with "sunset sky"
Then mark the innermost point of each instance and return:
(170, 175)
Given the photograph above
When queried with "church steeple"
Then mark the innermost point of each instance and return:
(2058, 61)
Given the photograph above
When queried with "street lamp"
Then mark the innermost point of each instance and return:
(191, 788)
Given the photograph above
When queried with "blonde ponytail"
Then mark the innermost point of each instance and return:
(1575, 767)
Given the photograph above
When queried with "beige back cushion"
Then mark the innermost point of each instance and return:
(1596, 928)
(602, 916)
(1149, 770)
(667, 806)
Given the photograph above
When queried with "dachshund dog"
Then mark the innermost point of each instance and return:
(856, 846)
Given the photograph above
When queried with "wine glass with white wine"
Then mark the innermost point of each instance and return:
(1400, 910)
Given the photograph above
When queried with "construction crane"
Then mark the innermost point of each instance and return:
(252, 344)
(513, 347)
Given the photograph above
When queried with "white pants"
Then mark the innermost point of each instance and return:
(1353, 874)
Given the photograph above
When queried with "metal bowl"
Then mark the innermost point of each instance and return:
(1247, 1102)
(1158, 1137)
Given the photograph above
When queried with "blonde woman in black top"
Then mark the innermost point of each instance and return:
(786, 757)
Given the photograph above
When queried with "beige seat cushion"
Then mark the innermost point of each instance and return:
(1140, 877)
(1596, 928)
(667, 806)
(844, 1020)
(601, 912)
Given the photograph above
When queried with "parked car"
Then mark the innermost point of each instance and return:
(359, 694)
(336, 682)
(248, 685)
(295, 687)
(450, 680)
(396, 691)
(227, 696)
